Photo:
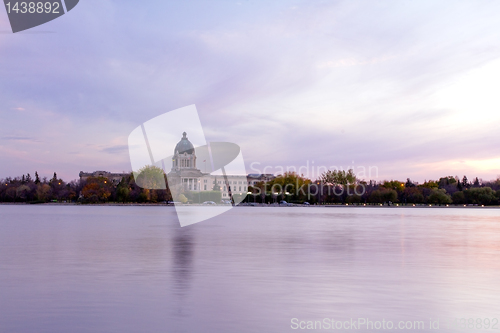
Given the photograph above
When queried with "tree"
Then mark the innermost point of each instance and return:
(151, 177)
(339, 177)
(458, 197)
(216, 186)
(409, 183)
(480, 196)
(413, 195)
(429, 184)
(123, 190)
(22, 192)
(122, 193)
(54, 178)
(439, 196)
(28, 178)
(476, 182)
(43, 192)
(383, 195)
(182, 198)
(465, 182)
(37, 179)
(291, 183)
(97, 189)
(445, 181)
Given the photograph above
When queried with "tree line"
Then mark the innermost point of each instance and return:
(92, 190)
(342, 187)
(332, 187)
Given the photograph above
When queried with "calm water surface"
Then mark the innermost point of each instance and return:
(133, 269)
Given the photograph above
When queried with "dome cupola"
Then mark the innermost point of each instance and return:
(184, 146)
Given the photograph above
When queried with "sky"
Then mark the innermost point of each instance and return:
(400, 88)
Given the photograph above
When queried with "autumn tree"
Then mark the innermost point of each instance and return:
(339, 177)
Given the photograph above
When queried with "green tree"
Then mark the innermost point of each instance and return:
(458, 197)
(439, 196)
(445, 181)
(150, 177)
(382, 196)
(289, 185)
(429, 184)
(413, 195)
(182, 198)
(480, 196)
(122, 193)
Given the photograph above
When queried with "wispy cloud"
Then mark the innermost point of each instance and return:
(119, 149)
(20, 138)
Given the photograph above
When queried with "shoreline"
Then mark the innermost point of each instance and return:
(252, 205)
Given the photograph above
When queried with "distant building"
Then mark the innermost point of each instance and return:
(114, 177)
(255, 178)
(185, 173)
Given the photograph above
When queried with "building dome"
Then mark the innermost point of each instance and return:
(184, 146)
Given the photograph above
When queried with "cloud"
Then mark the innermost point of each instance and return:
(119, 149)
(20, 139)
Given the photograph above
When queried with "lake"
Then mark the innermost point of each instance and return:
(252, 269)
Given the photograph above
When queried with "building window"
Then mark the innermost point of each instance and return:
(205, 181)
(205, 187)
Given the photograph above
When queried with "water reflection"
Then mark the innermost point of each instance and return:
(183, 245)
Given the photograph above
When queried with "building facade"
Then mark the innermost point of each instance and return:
(185, 172)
